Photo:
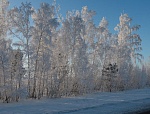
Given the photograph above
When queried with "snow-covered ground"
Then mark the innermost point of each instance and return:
(96, 103)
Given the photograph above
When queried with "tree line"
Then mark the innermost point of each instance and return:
(43, 54)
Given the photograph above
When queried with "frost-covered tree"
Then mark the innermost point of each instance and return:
(74, 58)
(128, 46)
(20, 21)
(147, 68)
(45, 24)
(109, 74)
(5, 50)
(90, 31)
(5, 56)
(17, 73)
(78, 58)
(104, 49)
(105, 43)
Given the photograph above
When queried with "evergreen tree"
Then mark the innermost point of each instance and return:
(109, 75)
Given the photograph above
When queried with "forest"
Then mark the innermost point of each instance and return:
(43, 54)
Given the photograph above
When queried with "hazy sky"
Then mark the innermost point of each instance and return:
(138, 10)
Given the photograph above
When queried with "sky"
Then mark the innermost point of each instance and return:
(138, 10)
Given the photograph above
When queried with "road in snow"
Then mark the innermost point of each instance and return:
(97, 103)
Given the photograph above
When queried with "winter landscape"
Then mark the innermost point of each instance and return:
(53, 62)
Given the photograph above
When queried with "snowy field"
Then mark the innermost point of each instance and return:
(97, 103)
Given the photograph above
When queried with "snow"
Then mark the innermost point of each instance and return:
(96, 103)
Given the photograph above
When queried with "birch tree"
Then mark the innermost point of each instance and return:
(20, 19)
(5, 50)
(45, 25)
(128, 46)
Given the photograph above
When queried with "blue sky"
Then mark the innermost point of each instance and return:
(138, 10)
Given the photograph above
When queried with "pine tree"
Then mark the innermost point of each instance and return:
(109, 74)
